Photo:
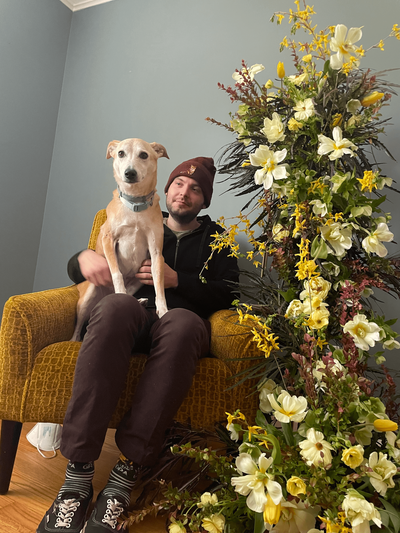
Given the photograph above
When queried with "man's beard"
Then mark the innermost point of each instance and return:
(182, 218)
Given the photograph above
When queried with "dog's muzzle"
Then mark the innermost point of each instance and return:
(131, 176)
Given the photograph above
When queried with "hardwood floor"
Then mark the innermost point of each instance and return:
(35, 483)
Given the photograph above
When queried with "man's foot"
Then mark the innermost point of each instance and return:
(105, 515)
(67, 514)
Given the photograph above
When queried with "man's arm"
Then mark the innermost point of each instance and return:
(91, 266)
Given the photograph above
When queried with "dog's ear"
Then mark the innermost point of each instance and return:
(160, 150)
(111, 147)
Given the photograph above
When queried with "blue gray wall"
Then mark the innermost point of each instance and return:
(33, 47)
(134, 69)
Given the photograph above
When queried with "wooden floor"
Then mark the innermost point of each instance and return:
(36, 481)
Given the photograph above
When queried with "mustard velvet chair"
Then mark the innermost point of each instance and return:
(37, 363)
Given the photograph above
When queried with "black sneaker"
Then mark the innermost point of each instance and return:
(105, 515)
(67, 513)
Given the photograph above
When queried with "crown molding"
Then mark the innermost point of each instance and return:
(77, 5)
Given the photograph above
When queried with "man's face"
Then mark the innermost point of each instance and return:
(184, 199)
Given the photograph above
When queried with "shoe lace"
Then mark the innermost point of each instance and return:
(113, 511)
(66, 511)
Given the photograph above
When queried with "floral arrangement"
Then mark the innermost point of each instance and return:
(324, 452)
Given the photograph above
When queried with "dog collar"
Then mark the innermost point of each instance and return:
(136, 203)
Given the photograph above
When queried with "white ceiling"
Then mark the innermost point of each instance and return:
(77, 5)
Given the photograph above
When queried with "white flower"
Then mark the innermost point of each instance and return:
(304, 109)
(295, 309)
(359, 512)
(343, 44)
(393, 445)
(364, 333)
(251, 72)
(338, 236)
(320, 366)
(336, 147)
(383, 470)
(288, 408)
(268, 160)
(373, 243)
(279, 233)
(317, 286)
(295, 518)
(391, 344)
(207, 499)
(319, 208)
(253, 485)
(316, 450)
(240, 127)
(267, 388)
(299, 79)
(353, 106)
(274, 129)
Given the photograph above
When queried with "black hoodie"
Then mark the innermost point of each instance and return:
(187, 256)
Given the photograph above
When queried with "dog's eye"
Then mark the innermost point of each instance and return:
(143, 155)
(121, 154)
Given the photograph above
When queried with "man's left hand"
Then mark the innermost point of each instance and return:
(144, 275)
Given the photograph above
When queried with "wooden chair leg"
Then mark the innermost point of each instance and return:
(9, 439)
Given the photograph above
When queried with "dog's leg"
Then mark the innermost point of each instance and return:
(157, 272)
(85, 304)
(109, 253)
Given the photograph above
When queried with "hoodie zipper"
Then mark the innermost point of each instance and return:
(204, 236)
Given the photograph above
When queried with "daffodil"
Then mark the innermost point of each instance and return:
(336, 147)
(274, 129)
(214, 523)
(315, 449)
(288, 408)
(353, 456)
(381, 472)
(249, 72)
(269, 161)
(272, 512)
(295, 518)
(343, 44)
(304, 109)
(364, 333)
(359, 512)
(338, 236)
(373, 243)
(255, 484)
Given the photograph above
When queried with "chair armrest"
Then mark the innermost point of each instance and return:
(32, 321)
(232, 342)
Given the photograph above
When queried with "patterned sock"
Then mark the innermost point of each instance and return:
(122, 480)
(78, 479)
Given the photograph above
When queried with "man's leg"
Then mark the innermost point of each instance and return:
(115, 325)
(179, 339)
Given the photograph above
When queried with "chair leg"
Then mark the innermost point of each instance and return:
(9, 438)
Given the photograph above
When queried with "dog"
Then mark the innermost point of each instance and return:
(133, 230)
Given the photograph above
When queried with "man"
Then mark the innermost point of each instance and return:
(119, 325)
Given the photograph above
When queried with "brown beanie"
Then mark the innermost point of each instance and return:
(202, 170)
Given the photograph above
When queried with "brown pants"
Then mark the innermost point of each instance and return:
(118, 326)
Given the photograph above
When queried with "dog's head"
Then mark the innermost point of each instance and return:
(135, 160)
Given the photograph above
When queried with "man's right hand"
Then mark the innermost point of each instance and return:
(94, 268)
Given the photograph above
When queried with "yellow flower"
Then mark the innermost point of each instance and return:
(372, 99)
(272, 512)
(269, 84)
(337, 120)
(385, 425)
(280, 70)
(367, 181)
(294, 125)
(307, 58)
(295, 486)
(318, 319)
(214, 523)
(353, 456)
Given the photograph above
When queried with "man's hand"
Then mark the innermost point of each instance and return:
(94, 268)
(145, 277)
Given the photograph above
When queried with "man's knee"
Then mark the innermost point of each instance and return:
(114, 310)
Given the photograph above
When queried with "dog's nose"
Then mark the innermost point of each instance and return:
(130, 175)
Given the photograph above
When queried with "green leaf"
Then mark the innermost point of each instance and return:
(393, 514)
(319, 249)
(259, 526)
(288, 295)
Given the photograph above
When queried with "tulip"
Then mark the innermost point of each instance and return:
(385, 425)
(372, 98)
(280, 69)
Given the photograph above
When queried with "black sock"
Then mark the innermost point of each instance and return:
(122, 480)
(78, 479)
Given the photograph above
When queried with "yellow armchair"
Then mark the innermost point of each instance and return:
(37, 363)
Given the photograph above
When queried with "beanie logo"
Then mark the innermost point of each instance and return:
(191, 170)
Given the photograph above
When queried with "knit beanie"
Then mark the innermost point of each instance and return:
(202, 170)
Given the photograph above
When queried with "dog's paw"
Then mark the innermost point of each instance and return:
(161, 311)
(143, 301)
